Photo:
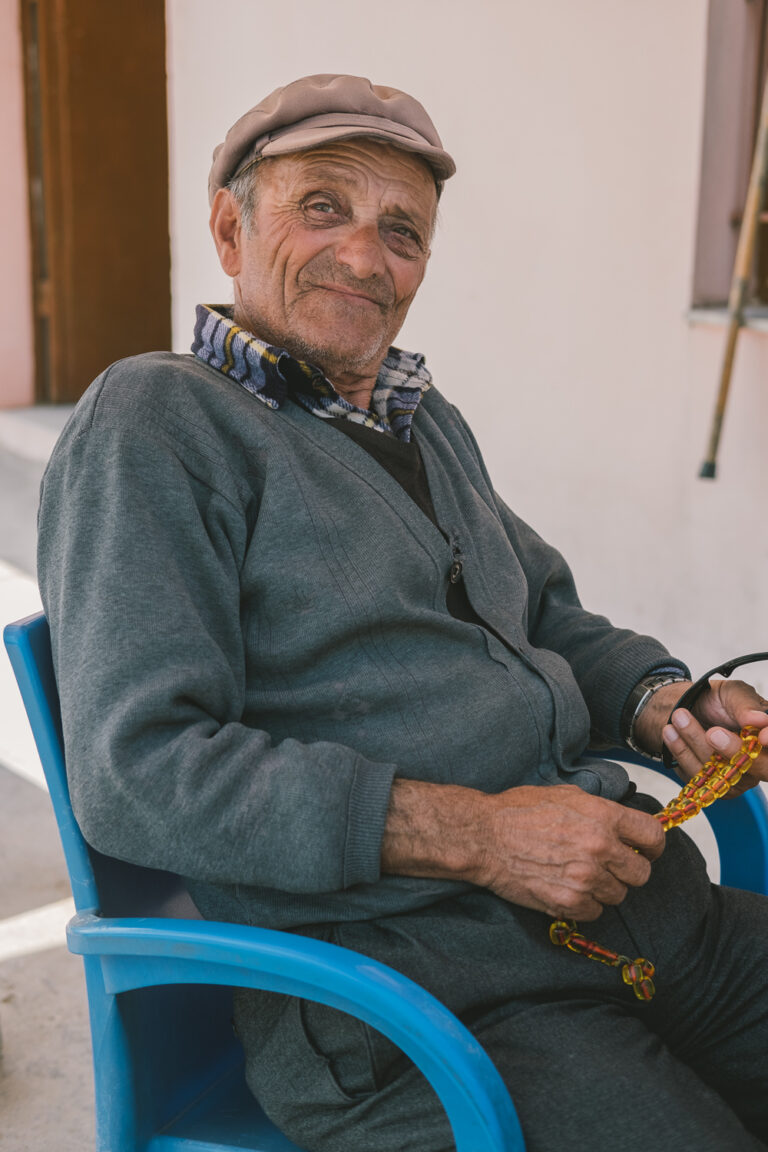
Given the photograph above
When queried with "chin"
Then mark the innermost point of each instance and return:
(350, 353)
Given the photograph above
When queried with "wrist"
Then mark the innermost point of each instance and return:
(649, 720)
(435, 830)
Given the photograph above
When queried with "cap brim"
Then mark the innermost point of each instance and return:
(305, 138)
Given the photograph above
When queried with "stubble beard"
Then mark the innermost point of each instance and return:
(334, 362)
(359, 353)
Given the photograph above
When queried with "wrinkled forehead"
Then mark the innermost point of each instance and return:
(360, 168)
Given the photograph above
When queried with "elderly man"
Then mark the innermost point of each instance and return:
(309, 660)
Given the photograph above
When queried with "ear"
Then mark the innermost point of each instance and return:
(226, 229)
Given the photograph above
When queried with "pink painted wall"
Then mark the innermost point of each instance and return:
(16, 341)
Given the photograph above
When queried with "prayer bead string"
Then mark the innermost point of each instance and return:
(714, 780)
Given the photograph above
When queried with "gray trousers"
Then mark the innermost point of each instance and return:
(586, 1064)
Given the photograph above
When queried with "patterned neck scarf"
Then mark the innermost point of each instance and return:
(272, 374)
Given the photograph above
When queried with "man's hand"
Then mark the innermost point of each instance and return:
(556, 849)
(720, 713)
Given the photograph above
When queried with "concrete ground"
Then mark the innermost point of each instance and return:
(45, 1067)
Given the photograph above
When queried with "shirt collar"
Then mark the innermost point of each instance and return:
(270, 373)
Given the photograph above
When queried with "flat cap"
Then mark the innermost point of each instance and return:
(318, 109)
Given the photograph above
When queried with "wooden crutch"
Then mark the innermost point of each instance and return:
(742, 272)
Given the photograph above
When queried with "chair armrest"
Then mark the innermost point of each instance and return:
(140, 953)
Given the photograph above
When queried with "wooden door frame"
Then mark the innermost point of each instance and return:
(97, 147)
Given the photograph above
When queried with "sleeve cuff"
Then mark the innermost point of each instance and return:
(640, 657)
(366, 819)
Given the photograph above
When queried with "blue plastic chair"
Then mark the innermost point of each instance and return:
(168, 1069)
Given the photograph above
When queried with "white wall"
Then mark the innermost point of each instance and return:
(554, 309)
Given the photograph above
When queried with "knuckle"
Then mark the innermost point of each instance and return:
(581, 874)
(568, 909)
(587, 910)
(570, 904)
(659, 837)
(602, 844)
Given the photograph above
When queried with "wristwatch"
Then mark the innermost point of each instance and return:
(638, 699)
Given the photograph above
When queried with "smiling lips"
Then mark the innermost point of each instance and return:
(352, 293)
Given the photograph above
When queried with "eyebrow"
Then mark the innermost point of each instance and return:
(331, 173)
(416, 218)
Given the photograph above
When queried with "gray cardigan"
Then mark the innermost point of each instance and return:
(251, 639)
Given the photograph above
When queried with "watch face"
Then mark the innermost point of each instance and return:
(651, 683)
(639, 697)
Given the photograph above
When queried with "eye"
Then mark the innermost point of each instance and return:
(320, 208)
(403, 239)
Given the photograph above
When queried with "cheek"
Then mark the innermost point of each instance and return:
(407, 280)
(296, 251)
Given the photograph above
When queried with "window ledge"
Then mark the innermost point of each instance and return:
(755, 317)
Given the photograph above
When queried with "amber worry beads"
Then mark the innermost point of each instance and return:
(714, 780)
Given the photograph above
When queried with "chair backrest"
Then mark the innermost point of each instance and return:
(168, 1070)
(99, 883)
(162, 1042)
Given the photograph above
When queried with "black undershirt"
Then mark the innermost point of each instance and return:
(402, 460)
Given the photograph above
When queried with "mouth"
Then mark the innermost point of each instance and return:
(351, 294)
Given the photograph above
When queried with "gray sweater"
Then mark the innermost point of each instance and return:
(251, 640)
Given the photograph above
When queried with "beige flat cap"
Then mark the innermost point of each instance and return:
(318, 109)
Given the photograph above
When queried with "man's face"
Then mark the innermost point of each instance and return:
(336, 248)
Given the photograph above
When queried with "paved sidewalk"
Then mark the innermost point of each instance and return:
(45, 1070)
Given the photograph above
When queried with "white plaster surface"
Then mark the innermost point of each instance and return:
(555, 311)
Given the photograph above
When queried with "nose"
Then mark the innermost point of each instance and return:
(361, 251)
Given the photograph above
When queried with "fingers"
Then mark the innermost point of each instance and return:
(692, 747)
(732, 704)
(609, 880)
(642, 832)
(757, 718)
(563, 906)
(577, 896)
(586, 888)
(568, 853)
(687, 741)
